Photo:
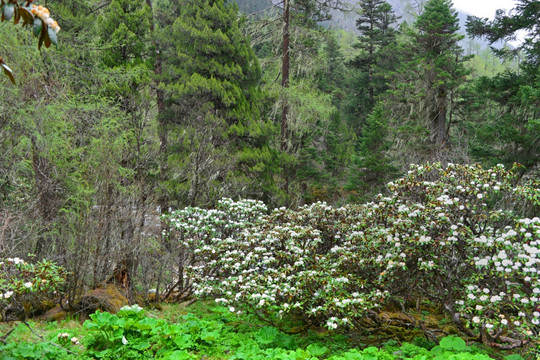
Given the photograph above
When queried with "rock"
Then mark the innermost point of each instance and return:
(107, 297)
(54, 314)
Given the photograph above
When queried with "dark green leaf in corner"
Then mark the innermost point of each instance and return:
(52, 36)
(43, 37)
(9, 10)
(38, 23)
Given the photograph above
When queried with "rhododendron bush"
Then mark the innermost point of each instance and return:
(25, 12)
(24, 285)
(463, 237)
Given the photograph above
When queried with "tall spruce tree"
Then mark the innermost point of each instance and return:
(371, 167)
(441, 57)
(375, 26)
(373, 61)
(211, 83)
(425, 86)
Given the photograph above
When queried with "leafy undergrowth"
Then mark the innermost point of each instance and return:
(209, 332)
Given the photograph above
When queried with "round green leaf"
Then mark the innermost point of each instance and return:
(38, 23)
(453, 343)
(52, 36)
(9, 10)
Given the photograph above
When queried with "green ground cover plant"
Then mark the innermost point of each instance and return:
(212, 332)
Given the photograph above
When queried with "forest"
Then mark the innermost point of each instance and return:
(356, 179)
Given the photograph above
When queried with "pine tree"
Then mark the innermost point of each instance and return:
(504, 109)
(424, 89)
(211, 89)
(441, 57)
(372, 166)
(375, 26)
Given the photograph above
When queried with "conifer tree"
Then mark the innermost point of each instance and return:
(371, 167)
(504, 109)
(375, 26)
(211, 89)
(441, 57)
(425, 87)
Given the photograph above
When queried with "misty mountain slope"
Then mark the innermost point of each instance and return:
(407, 10)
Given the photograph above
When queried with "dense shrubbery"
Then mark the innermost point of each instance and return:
(24, 286)
(463, 237)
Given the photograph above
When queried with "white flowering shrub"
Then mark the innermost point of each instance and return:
(24, 285)
(200, 232)
(458, 236)
(280, 263)
(463, 237)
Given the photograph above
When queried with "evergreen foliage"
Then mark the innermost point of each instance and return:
(149, 106)
(372, 166)
(211, 84)
(375, 24)
(506, 130)
(426, 85)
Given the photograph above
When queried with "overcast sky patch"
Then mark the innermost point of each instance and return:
(484, 8)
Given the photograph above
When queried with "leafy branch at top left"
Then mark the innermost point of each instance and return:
(44, 27)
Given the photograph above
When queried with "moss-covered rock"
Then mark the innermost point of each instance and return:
(54, 314)
(106, 297)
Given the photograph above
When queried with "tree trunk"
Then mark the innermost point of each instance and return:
(439, 119)
(284, 85)
(163, 200)
(48, 198)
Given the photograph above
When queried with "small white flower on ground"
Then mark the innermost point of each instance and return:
(124, 340)
(476, 319)
(28, 284)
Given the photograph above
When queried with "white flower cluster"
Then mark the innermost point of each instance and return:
(44, 14)
(6, 295)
